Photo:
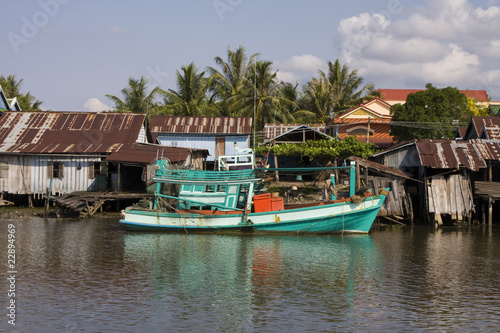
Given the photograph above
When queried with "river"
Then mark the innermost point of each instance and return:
(93, 276)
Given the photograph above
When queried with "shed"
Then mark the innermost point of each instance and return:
(62, 151)
(376, 176)
(135, 162)
(444, 172)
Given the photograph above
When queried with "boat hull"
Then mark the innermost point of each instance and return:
(342, 217)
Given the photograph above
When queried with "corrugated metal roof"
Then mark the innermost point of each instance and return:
(147, 153)
(488, 150)
(379, 167)
(451, 154)
(300, 133)
(67, 132)
(201, 125)
(273, 130)
(490, 125)
(436, 154)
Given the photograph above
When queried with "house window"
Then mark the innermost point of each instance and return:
(55, 169)
(96, 168)
(359, 131)
(4, 170)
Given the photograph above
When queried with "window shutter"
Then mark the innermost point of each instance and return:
(50, 169)
(61, 169)
(91, 169)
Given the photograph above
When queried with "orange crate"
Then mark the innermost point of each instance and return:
(262, 203)
(277, 204)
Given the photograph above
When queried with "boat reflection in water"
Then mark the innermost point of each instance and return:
(240, 282)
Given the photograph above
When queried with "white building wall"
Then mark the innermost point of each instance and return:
(204, 142)
(27, 174)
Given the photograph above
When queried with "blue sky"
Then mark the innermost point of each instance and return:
(71, 53)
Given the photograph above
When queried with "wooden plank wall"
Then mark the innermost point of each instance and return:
(397, 204)
(450, 195)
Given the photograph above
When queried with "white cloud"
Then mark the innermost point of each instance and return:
(447, 43)
(457, 66)
(95, 105)
(116, 30)
(299, 67)
(305, 63)
(287, 76)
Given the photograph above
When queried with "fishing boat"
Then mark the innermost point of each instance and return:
(230, 200)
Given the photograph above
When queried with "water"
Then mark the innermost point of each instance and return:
(93, 276)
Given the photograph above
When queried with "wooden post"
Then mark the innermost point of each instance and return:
(368, 131)
(118, 179)
(366, 176)
(358, 176)
(336, 172)
(490, 176)
(490, 211)
(422, 190)
(276, 166)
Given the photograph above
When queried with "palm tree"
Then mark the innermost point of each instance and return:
(317, 99)
(12, 89)
(229, 85)
(330, 94)
(135, 97)
(270, 105)
(344, 84)
(190, 98)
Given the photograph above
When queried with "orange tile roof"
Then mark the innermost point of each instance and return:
(401, 94)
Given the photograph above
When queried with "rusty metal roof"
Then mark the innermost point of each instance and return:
(487, 149)
(67, 132)
(437, 154)
(451, 154)
(200, 125)
(148, 153)
(380, 167)
(483, 127)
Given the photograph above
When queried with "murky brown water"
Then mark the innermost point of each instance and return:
(93, 276)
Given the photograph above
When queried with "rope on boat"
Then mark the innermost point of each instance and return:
(165, 204)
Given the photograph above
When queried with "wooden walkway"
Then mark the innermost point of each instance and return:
(88, 203)
(487, 189)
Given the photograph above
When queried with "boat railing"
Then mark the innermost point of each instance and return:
(236, 161)
(197, 202)
(204, 175)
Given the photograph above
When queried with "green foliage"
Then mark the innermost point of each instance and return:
(430, 114)
(322, 151)
(333, 92)
(190, 97)
(12, 89)
(135, 97)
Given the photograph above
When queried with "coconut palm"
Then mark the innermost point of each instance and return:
(135, 97)
(317, 100)
(333, 92)
(270, 104)
(345, 86)
(229, 85)
(12, 89)
(190, 98)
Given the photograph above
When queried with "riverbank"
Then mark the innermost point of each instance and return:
(12, 212)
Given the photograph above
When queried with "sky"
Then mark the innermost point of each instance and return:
(71, 53)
